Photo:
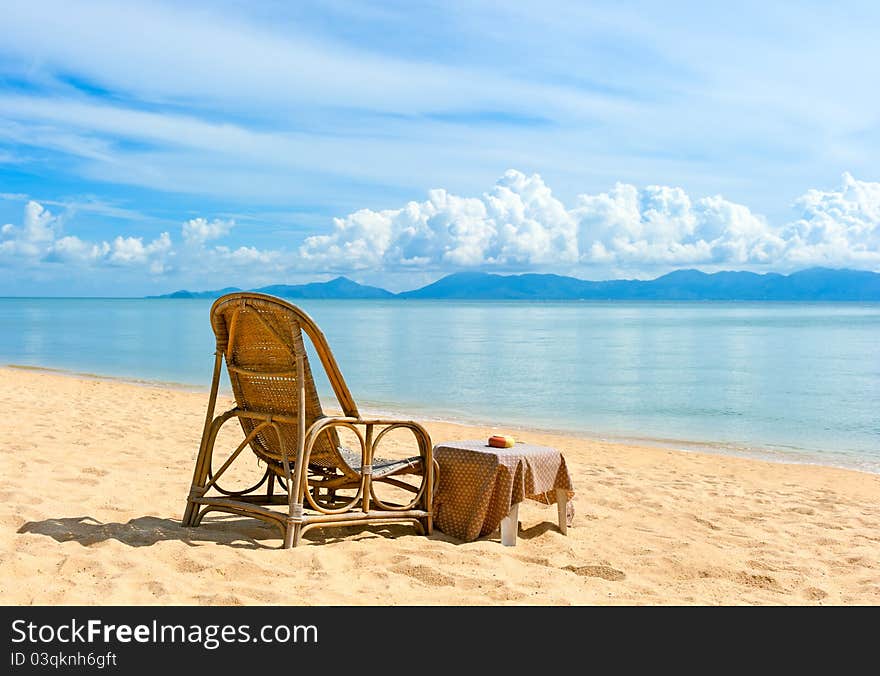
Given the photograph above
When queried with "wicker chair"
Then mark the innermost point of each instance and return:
(280, 414)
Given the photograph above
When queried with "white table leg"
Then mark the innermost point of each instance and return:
(561, 504)
(510, 526)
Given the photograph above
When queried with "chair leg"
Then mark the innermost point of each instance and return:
(292, 535)
(200, 478)
(188, 513)
(200, 474)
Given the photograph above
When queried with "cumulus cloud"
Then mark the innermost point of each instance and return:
(34, 236)
(248, 255)
(132, 250)
(837, 225)
(40, 238)
(39, 228)
(73, 249)
(519, 223)
(200, 230)
(660, 225)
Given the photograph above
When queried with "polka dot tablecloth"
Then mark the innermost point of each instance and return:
(479, 483)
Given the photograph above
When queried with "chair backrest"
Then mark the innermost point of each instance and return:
(261, 338)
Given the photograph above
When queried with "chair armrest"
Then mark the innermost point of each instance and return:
(425, 492)
(421, 434)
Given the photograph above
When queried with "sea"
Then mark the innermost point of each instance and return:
(793, 382)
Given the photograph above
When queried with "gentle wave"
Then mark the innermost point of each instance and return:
(790, 455)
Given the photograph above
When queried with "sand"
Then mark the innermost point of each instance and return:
(96, 473)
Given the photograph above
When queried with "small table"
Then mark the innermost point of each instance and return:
(480, 487)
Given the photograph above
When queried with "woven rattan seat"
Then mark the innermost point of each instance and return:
(381, 467)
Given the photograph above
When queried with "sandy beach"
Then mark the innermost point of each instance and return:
(96, 474)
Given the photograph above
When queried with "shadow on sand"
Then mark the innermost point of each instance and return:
(229, 531)
(148, 530)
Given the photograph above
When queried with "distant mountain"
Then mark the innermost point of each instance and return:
(480, 285)
(807, 285)
(812, 284)
(341, 287)
(198, 294)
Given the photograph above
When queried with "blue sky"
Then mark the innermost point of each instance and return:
(146, 147)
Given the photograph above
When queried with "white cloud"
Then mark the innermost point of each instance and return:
(660, 225)
(74, 250)
(837, 225)
(39, 238)
(247, 255)
(132, 250)
(272, 67)
(39, 224)
(199, 230)
(39, 228)
(520, 224)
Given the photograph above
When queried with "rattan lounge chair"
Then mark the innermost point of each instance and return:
(320, 482)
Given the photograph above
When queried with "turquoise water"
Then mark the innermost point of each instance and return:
(791, 381)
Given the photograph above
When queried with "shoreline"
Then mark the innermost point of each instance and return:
(97, 472)
(806, 457)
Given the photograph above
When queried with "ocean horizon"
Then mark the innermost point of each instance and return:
(786, 381)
